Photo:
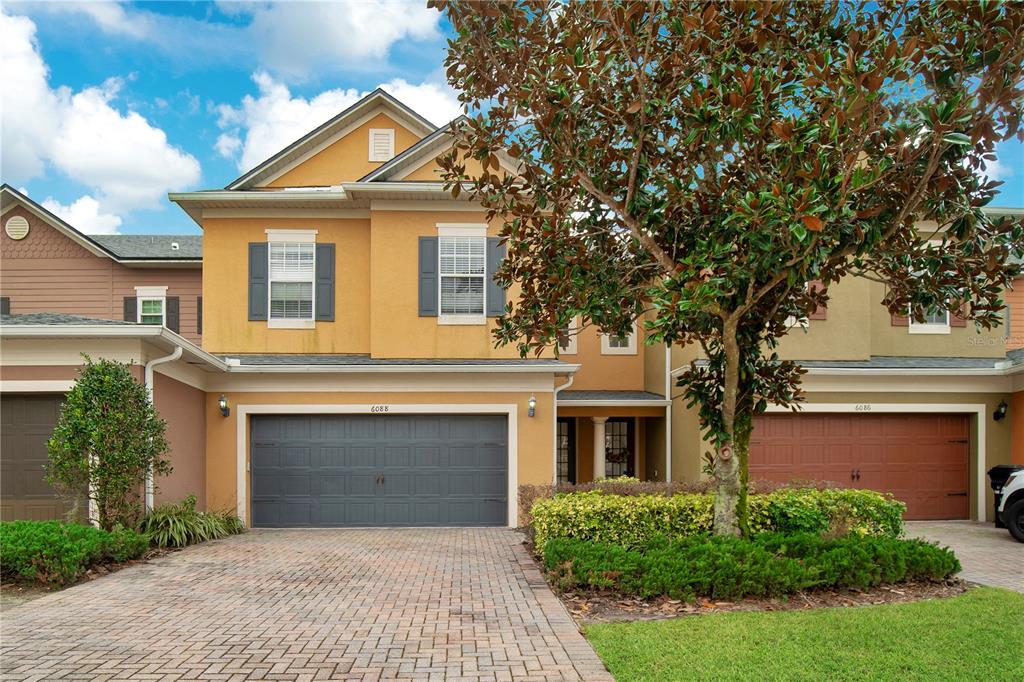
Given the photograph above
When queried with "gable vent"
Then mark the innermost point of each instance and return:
(382, 144)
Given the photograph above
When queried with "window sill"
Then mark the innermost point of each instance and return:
(465, 320)
(291, 324)
(929, 329)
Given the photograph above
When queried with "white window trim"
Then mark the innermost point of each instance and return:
(606, 349)
(390, 134)
(151, 293)
(291, 236)
(276, 235)
(570, 345)
(478, 230)
(929, 327)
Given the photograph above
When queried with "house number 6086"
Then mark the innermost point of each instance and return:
(863, 407)
(379, 408)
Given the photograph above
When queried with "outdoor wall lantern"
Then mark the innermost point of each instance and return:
(531, 406)
(222, 403)
(1000, 412)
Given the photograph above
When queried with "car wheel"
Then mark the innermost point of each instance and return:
(1014, 519)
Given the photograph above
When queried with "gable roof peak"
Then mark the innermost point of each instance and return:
(402, 113)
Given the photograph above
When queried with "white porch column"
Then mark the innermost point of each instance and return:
(599, 459)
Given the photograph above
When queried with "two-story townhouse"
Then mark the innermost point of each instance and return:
(53, 276)
(347, 373)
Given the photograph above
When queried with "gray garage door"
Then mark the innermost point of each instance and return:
(379, 470)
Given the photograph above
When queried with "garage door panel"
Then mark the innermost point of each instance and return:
(922, 459)
(380, 470)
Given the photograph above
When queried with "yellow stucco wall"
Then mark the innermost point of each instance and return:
(226, 325)
(534, 434)
(346, 160)
(396, 330)
(605, 372)
(843, 335)
(431, 171)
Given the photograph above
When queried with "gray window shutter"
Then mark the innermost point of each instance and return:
(428, 276)
(325, 282)
(199, 315)
(131, 309)
(495, 293)
(5, 305)
(258, 276)
(172, 317)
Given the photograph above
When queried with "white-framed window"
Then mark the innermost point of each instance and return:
(567, 346)
(151, 305)
(382, 144)
(462, 273)
(292, 274)
(936, 321)
(613, 344)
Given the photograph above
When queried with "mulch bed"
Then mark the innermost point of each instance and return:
(608, 607)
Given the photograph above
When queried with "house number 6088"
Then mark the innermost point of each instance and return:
(379, 408)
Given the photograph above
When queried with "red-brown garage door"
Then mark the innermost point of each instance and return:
(922, 459)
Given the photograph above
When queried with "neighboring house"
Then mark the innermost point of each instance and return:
(347, 372)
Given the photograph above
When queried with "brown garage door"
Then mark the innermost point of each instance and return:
(27, 422)
(922, 459)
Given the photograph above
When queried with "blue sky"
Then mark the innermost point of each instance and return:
(108, 106)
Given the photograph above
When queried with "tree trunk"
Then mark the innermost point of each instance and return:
(728, 488)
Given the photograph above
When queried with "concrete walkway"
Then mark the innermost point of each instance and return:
(989, 555)
(457, 604)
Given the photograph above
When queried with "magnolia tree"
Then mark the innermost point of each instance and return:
(699, 164)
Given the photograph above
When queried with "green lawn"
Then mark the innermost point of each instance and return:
(975, 636)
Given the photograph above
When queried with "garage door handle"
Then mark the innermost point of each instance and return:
(964, 494)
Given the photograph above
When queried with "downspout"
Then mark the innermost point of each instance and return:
(554, 428)
(668, 413)
(149, 391)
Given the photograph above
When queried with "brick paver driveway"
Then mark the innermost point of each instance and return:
(309, 605)
(989, 555)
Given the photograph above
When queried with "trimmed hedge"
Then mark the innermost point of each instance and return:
(730, 568)
(60, 553)
(632, 521)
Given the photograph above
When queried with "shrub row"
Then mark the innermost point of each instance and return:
(731, 568)
(528, 494)
(633, 520)
(60, 553)
(178, 525)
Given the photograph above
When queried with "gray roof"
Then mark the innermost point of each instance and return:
(282, 359)
(908, 362)
(152, 246)
(1016, 356)
(569, 396)
(55, 318)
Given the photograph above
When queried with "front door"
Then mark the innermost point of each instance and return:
(619, 440)
(567, 450)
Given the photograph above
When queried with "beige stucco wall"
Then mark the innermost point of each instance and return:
(346, 160)
(844, 333)
(534, 434)
(605, 372)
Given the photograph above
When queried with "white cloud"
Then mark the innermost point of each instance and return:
(128, 162)
(29, 109)
(263, 125)
(85, 215)
(293, 38)
(997, 170)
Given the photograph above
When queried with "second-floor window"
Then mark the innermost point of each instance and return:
(292, 271)
(463, 264)
(936, 321)
(613, 344)
(151, 310)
